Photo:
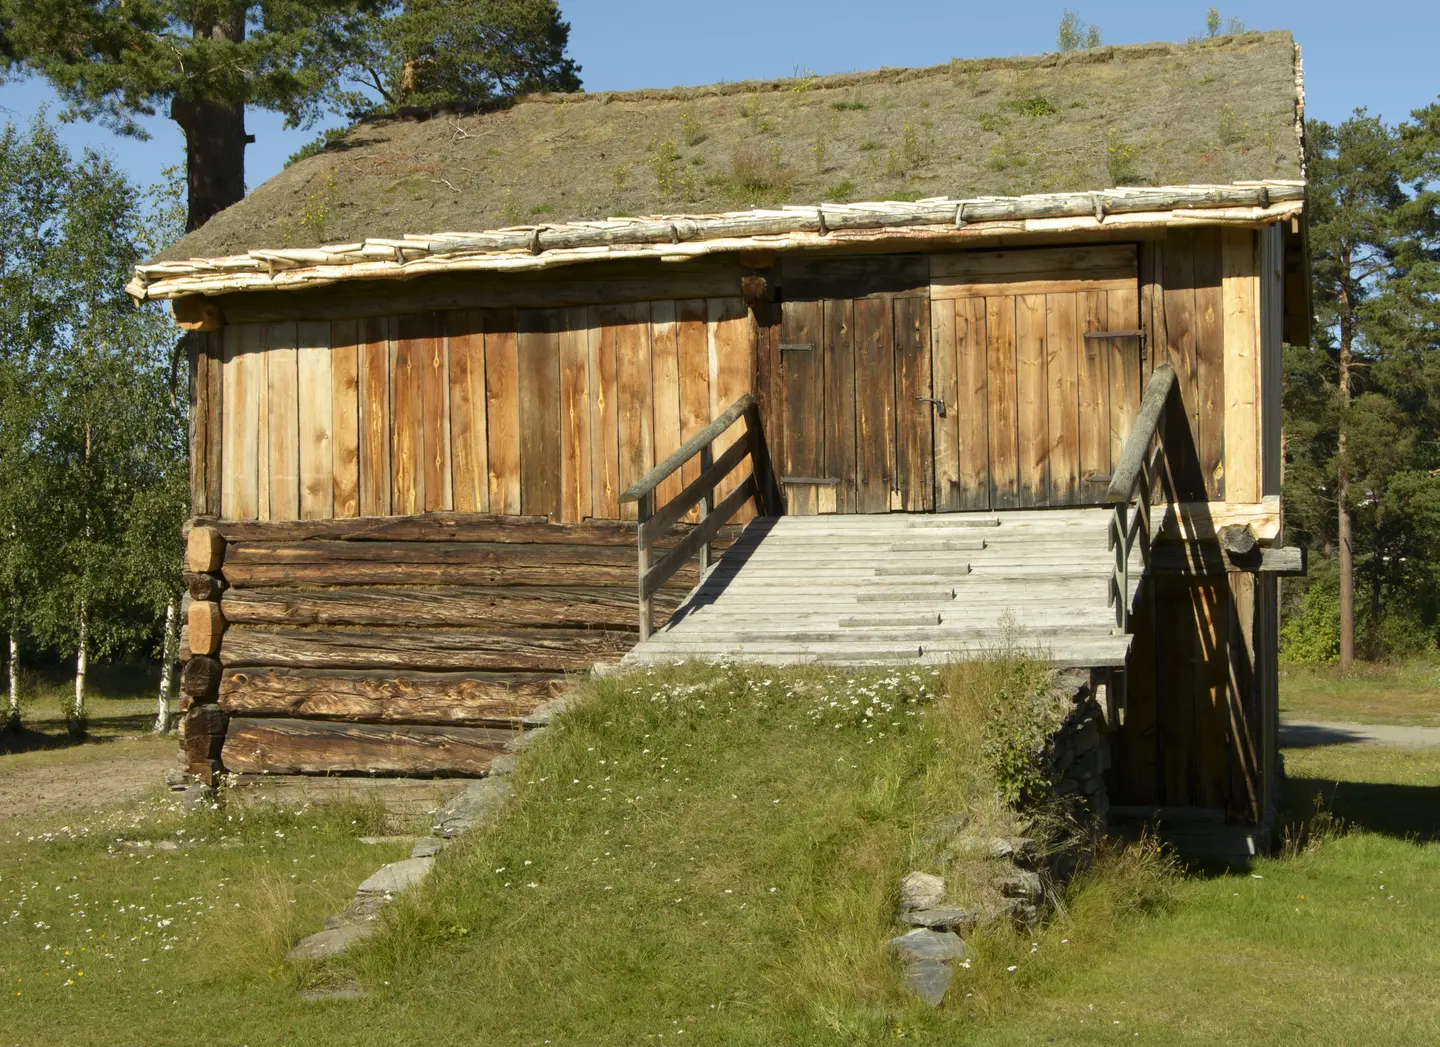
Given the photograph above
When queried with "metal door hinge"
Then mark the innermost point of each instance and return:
(937, 401)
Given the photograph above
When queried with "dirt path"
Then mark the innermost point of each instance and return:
(81, 786)
(1309, 734)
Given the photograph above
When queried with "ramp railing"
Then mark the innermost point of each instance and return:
(1133, 485)
(657, 520)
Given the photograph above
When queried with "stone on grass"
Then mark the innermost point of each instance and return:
(921, 890)
(478, 803)
(960, 921)
(339, 992)
(332, 941)
(922, 944)
(1020, 883)
(428, 847)
(928, 979)
(396, 876)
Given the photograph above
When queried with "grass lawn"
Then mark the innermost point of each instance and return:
(1406, 693)
(714, 861)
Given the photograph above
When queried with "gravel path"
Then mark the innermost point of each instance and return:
(1308, 734)
(80, 786)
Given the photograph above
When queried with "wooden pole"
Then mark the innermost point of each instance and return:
(645, 511)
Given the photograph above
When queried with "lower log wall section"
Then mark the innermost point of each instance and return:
(417, 645)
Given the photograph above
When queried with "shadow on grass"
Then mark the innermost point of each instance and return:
(54, 734)
(1408, 812)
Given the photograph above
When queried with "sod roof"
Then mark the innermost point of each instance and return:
(1221, 110)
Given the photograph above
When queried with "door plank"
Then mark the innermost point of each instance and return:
(665, 380)
(693, 351)
(914, 418)
(434, 368)
(972, 403)
(604, 413)
(240, 422)
(1094, 393)
(944, 379)
(1001, 386)
(635, 407)
(1032, 399)
(374, 354)
(407, 404)
(839, 399)
(874, 404)
(1210, 362)
(732, 375)
(802, 377)
(1124, 309)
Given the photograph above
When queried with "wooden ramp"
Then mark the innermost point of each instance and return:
(922, 589)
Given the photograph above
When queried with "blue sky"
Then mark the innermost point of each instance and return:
(1379, 55)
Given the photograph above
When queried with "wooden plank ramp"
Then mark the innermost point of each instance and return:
(904, 588)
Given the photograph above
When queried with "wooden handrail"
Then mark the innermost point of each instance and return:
(688, 450)
(1147, 424)
(1131, 488)
(655, 521)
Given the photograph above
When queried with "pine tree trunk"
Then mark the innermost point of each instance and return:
(82, 666)
(167, 670)
(215, 138)
(1342, 491)
(13, 716)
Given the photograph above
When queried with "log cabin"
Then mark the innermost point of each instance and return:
(890, 367)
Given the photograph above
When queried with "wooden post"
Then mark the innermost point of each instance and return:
(707, 503)
(1120, 579)
(645, 510)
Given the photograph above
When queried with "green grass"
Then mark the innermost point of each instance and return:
(1406, 693)
(714, 855)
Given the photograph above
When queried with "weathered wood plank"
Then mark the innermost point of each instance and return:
(345, 417)
(446, 527)
(1094, 394)
(315, 402)
(550, 650)
(372, 697)
(1210, 361)
(540, 430)
(374, 361)
(500, 553)
(1032, 400)
(945, 381)
(1179, 349)
(732, 363)
(605, 413)
(262, 484)
(413, 338)
(874, 404)
(1125, 392)
(665, 383)
(855, 276)
(973, 407)
(1034, 263)
(434, 367)
(1239, 290)
(802, 378)
(635, 417)
(214, 421)
(1002, 387)
(199, 388)
(366, 572)
(469, 447)
(1062, 371)
(693, 351)
(284, 746)
(575, 607)
(576, 500)
(914, 416)
(502, 410)
(283, 420)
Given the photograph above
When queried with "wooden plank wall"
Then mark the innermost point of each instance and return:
(537, 412)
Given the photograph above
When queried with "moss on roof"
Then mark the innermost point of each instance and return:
(1219, 110)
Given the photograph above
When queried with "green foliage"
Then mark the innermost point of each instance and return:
(1231, 130)
(1213, 23)
(1374, 232)
(1074, 34)
(662, 160)
(93, 481)
(691, 129)
(854, 105)
(758, 117)
(1311, 632)
(1022, 717)
(758, 176)
(1120, 159)
(316, 146)
(841, 191)
(1038, 105)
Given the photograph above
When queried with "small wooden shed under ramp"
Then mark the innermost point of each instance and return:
(901, 365)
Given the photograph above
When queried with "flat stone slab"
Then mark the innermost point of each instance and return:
(343, 992)
(428, 847)
(929, 945)
(396, 876)
(960, 921)
(478, 803)
(331, 942)
(928, 979)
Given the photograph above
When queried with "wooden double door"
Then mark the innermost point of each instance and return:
(969, 381)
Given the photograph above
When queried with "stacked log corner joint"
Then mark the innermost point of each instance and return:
(203, 722)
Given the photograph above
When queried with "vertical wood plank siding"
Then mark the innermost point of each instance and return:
(499, 411)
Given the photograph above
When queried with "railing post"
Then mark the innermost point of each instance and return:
(707, 503)
(1120, 579)
(646, 507)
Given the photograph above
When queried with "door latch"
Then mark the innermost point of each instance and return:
(937, 401)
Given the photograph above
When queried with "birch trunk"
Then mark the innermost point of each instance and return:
(13, 716)
(82, 664)
(167, 671)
